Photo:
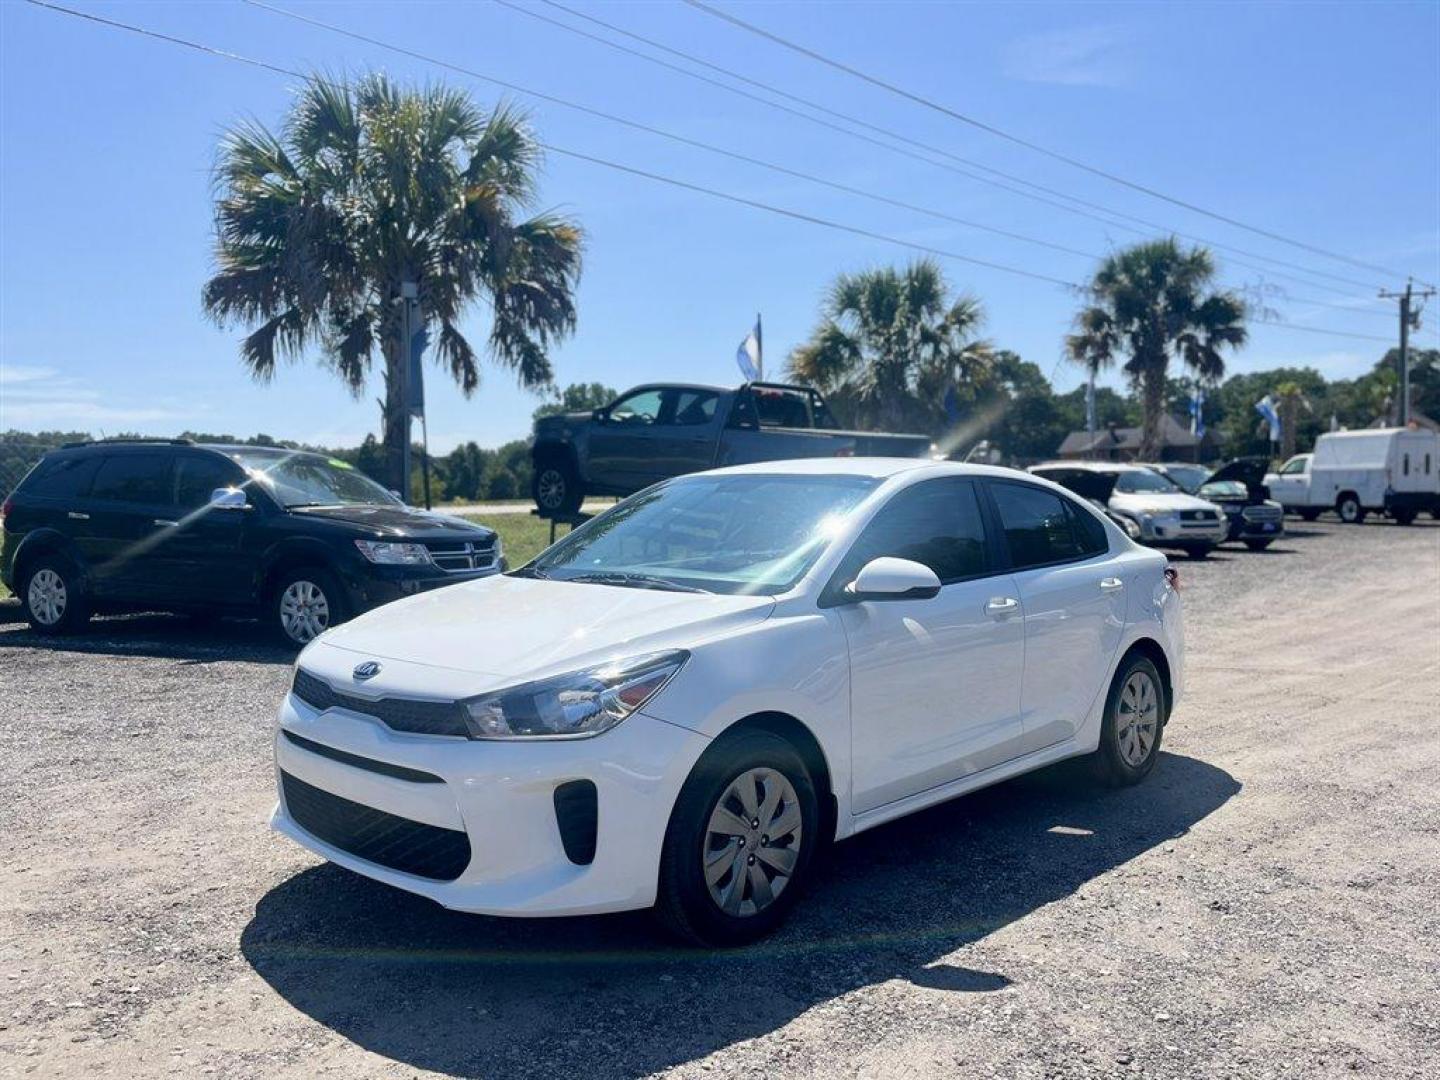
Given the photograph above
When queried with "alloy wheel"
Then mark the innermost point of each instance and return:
(304, 611)
(550, 488)
(1138, 719)
(47, 597)
(752, 842)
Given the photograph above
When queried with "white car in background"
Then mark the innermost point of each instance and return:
(683, 700)
(1152, 508)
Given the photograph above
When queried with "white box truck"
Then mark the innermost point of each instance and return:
(1394, 471)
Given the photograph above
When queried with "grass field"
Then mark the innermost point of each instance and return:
(524, 536)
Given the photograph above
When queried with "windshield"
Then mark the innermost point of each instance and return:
(297, 479)
(1133, 480)
(724, 534)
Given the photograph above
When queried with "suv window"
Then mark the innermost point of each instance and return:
(934, 522)
(197, 475)
(143, 478)
(1039, 528)
(63, 477)
(641, 408)
(694, 408)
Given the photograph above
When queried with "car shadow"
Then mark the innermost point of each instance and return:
(172, 637)
(606, 996)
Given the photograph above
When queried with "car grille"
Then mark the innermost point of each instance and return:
(462, 557)
(375, 836)
(1199, 515)
(399, 714)
(1262, 513)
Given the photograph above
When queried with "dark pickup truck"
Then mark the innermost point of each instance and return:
(657, 431)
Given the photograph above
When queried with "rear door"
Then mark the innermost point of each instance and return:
(126, 516)
(1074, 605)
(684, 438)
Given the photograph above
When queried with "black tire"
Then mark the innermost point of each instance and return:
(61, 599)
(1404, 517)
(1199, 551)
(1349, 508)
(1110, 763)
(318, 578)
(1258, 545)
(556, 487)
(684, 905)
(1310, 513)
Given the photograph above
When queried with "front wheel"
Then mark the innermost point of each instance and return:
(53, 595)
(1135, 715)
(1257, 545)
(557, 488)
(739, 843)
(1199, 551)
(305, 603)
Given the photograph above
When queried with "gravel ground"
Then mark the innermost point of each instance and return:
(1266, 904)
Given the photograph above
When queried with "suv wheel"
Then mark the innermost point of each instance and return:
(53, 595)
(307, 601)
(1135, 715)
(739, 843)
(557, 488)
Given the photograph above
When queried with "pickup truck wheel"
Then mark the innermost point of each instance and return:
(1404, 517)
(738, 847)
(53, 595)
(557, 488)
(1349, 508)
(1310, 513)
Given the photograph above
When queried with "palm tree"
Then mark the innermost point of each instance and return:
(1152, 303)
(893, 342)
(1290, 397)
(371, 187)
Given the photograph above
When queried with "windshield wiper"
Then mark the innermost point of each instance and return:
(530, 572)
(637, 581)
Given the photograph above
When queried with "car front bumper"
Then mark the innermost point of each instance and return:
(1171, 532)
(368, 586)
(500, 795)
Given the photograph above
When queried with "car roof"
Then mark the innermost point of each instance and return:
(876, 467)
(1091, 466)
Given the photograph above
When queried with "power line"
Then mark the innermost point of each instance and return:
(1004, 183)
(991, 129)
(646, 174)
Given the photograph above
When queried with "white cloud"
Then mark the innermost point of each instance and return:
(14, 374)
(1083, 56)
(35, 398)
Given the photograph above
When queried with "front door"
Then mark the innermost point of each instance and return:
(1073, 594)
(203, 553)
(1291, 487)
(935, 684)
(620, 445)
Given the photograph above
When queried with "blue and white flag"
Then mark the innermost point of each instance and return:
(1266, 408)
(751, 355)
(1197, 412)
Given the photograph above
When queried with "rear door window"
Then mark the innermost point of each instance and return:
(135, 478)
(695, 408)
(1040, 529)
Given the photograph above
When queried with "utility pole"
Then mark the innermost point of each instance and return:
(1409, 319)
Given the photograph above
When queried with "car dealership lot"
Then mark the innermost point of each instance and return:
(1267, 903)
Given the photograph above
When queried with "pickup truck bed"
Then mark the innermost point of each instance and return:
(657, 431)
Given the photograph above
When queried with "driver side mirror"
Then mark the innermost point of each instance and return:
(888, 578)
(228, 499)
(600, 415)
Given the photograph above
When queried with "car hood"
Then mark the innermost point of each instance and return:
(1157, 502)
(1249, 471)
(400, 521)
(521, 628)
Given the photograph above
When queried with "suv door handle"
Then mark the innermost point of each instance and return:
(1002, 605)
(1110, 584)
(166, 522)
(76, 515)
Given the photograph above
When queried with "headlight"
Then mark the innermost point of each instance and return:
(575, 705)
(388, 553)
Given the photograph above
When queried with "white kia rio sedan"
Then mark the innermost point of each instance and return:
(682, 701)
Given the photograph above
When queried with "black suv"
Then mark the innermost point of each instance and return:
(302, 540)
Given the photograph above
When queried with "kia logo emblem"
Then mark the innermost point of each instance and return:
(368, 670)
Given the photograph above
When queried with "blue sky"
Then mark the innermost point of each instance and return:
(1318, 121)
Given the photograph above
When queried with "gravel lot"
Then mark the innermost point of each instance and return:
(1267, 904)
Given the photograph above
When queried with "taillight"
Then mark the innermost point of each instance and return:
(1172, 577)
(5, 510)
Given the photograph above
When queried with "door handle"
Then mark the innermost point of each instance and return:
(1002, 605)
(166, 522)
(75, 515)
(1110, 584)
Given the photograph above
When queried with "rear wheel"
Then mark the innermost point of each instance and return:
(739, 843)
(1135, 715)
(1349, 508)
(1257, 545)
(1310, 513)
(305, 603)
(557, 488)
(1404, 517)
(53, 595)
